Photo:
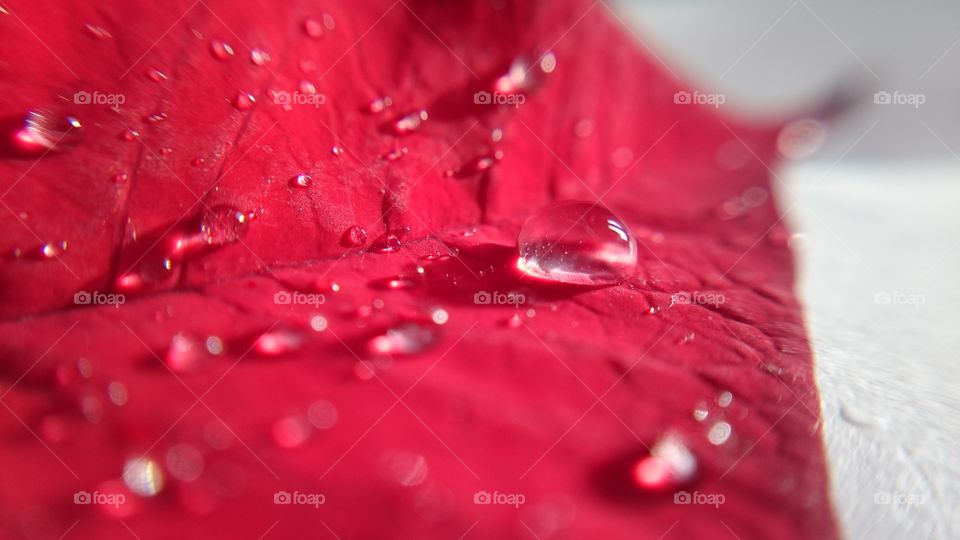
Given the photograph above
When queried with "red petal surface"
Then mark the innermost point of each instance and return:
(557, 406)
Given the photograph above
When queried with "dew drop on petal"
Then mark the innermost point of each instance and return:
(388, 243)
(548, 63)
(354, 236)
(243, 101)
(185, 353)
(576, 242)
(120, 178)
(45, 130)
(197, 161)
(719, 433)
(669, 464)
(515, 79)
(130, 134)
(404, 339)
(725, 399)
(409, 123)
(143, 476)
(279, 341)
(98, 32)
(291, 431)
(440, 316)
(220, 49)
(380, 104)
(156, 75)
(313, 28)
(117, 391)
(222, 225)
(301, 180)
(307, 87)
(337, 150)
(328, 21)
(259, 57)
(396, 154)
(318, 323)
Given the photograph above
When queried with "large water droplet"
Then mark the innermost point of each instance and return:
(576, 242)
(45, 130)
(405, 339)
(354, 236)
(222, 225)
(669, 464)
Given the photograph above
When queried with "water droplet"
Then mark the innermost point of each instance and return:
(576, 242)
(313, 28)
(117, 392)
(337, 150)
(186, 353)
(396, 282)
(156, 75)
(328, 21)
(318, 323)
(197, 161)
(701, 412)
(719, 433)
(291, 431)
(156, 117)
(184, 462)
(477, 165)
(388, 243)
(220, 49)
(801, 138)
(439, 316)
(404, 339)
(396, 154)
(514, 321)
(243, 101)
(129, 134)
(322, 414)
(380, 104)
(222, 225)
(307, 87)
(143, 476)
(583, 128)
(214, 345)
(280, 341)
(45, 130)
(725, 399)
(259, 57)
(354, 236)
(409, 123)
(548, 63)
(98, 32)
(120, 178)
(50, 250)
(516, 78)
(301, 180)
(669, 464)
(496, 135)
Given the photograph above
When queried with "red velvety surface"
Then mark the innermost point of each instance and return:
(489, 407)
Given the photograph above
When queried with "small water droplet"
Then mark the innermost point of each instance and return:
(313, 28)
(388, 243)
(220, 49)
(186, 353)
(291, 431)
(328, 21)
(725, 399)
(45, 130)
(51, 250)
(395, 282)
(259, 57)
(396, 154)
(307, 87)
(701, 412)
(548, 63)
(669, 464)
(130, 134)
(719, 433)
(318, 323)
(117, 391)
(380, 104)
(496, 135)
(156, 75)
(354, 236)
(120, 178)
(301, 180)
(197, 161)
(243, 101)
(477, 165)
(576, 242)
(98, 32)
(222, 225)
(409, 123)
(515, 80)
(439, 316)
(337, 150)
(405, 339)
(279, 341)
(143, 476)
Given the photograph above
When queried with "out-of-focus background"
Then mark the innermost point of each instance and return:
(875, 210)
